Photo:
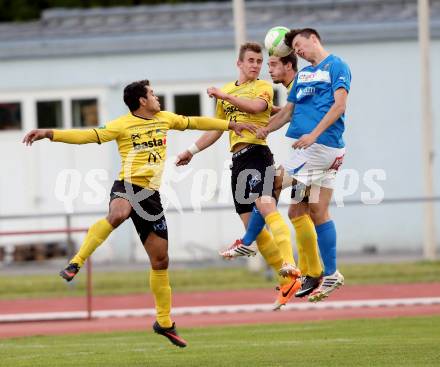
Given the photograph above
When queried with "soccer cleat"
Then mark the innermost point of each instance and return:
(328, 284)
(170, 333)
(289, 270)
(286, 292)
(70, 271)
(239, 249)
(308, 285)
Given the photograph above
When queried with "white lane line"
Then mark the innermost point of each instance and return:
(198, 310)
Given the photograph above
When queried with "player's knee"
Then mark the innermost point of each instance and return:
(296, 211)
(266, 205)
(292, 212)
(159, 262)
(319, 215)
(117, 216)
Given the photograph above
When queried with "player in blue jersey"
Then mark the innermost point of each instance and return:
(316, 111)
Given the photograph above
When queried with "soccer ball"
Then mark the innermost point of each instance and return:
(274, 42)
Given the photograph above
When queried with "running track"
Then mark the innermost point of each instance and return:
(197, 299)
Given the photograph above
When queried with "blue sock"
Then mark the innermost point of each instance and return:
(327, 245)
(255, 225)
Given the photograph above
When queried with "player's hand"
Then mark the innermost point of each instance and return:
(37, 134)
(184, 158)
(214, 92)
(304, 141)
(275, 109)
(262, 133)
(238, 128)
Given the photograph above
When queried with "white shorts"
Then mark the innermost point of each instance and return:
(316, 165)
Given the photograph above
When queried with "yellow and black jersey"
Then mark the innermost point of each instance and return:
(141, 142)
(250, 90)
(289, 87)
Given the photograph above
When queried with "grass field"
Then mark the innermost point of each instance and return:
(374, 342)
(51, 285)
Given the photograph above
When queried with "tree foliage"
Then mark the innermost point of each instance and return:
(25, 10)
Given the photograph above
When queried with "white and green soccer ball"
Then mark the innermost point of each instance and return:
(274, 42)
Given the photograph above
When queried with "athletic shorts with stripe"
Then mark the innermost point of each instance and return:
(315, 165)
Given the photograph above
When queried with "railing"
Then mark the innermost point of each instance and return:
(69, 230)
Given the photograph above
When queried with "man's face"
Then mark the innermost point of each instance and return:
(277, 69)
(151, 102)
(304, 47)
(251, 64)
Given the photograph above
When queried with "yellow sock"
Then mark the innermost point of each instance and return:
(271, 254)
(160, 286)
(281, 235)
(96, 235)
(307, 242)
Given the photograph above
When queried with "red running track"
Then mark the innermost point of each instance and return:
(369, 292)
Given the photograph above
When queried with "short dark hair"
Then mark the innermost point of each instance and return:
(249, 46)
(133, 92)
(305, 32)
(290, 58)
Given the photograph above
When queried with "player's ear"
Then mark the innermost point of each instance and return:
(142, 101)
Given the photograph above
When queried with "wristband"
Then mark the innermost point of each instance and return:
(193, 149)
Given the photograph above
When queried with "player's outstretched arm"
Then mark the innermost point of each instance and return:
(277, 121)
(37, 134)
(205, 141)
(255, 105)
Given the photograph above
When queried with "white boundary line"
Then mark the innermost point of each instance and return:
(198, 310)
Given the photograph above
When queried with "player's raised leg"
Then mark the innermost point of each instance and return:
(119, 211)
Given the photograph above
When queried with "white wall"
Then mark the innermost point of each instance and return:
(383, 132)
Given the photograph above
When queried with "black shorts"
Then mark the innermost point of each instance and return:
(252, 176)
(147, 214)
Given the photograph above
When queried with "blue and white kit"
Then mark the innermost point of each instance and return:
(313, 95)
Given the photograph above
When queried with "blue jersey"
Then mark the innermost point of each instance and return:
(312, 94)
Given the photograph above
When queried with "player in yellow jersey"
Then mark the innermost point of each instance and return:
(249, 99)
(141, 137)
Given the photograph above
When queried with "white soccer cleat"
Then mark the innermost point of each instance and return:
(239, 249)
(289, 270)
(328, 284)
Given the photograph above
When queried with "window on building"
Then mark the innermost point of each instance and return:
(162, 102)
(187, 104)
(10, 116)
(49, 114)
(85, 112)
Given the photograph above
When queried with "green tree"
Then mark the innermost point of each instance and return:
(22, 10)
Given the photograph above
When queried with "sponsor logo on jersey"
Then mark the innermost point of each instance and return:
(149, 143)
(230, 109)
(304, 92)
(154, 157)
(313, 77)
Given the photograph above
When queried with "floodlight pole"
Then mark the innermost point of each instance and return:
(429, 232)
(239, 11)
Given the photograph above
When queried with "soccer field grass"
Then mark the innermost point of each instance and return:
(373, 342)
